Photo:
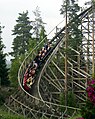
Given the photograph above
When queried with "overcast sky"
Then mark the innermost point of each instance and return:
(9, 10)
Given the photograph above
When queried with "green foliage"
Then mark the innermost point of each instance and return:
(2, 99)
(42, 33)
(93, 1)
(3, 71)
(38, 23)
(13, 74)
(74, 31)
(3, 67)
(23, 43)
(33, 41)
(5, 92)
(76, 116)
(42, 36)
(71, 101)
(22, 35)
(75, 34)
(70, 6)
(88, 111)
(5, 115)
(32, 44)
(62, 101)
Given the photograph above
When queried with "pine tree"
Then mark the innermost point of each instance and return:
(39, 32)
(33, 41)
(22, 35)
(3, 67)
(74, 31)
(70, 10)
(38, 24)
(42, 33)
(75, 35)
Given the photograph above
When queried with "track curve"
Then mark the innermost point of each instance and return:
(43, 100)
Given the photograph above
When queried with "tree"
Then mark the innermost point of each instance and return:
(14, 70)
(3, 66)
(39, 32)
(74, 31)
(38, 24)
(33, 41)
(42, 33)
(75, 34)
(23, 43)
(22, 35)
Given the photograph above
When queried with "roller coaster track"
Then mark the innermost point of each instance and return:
(43, 102)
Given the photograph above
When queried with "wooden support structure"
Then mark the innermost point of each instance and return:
(59, 74)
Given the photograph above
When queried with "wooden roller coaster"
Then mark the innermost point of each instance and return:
(43, 99)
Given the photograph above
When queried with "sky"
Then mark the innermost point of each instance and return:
(10, 9)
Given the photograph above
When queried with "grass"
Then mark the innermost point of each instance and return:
(77, 116)
(6, 115)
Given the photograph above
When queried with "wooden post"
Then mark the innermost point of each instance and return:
(93, 69)
(66, 32)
